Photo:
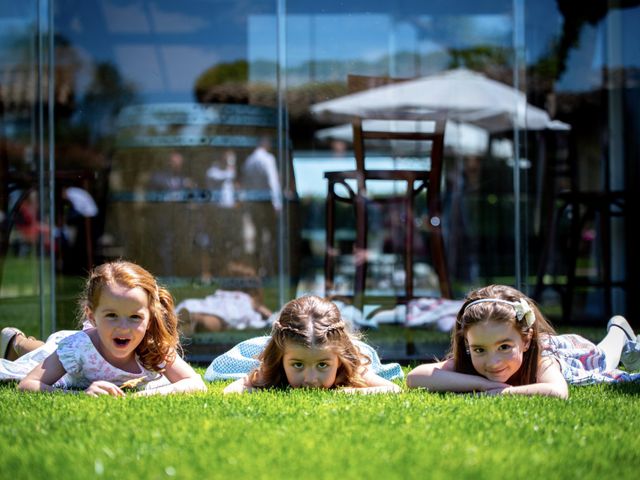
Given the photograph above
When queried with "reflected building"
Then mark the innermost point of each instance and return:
(141, 104)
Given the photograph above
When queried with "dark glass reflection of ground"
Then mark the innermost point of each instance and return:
(393, 341)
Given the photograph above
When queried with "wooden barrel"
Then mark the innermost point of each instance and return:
(166, 208)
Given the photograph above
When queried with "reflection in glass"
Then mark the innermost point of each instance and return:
(157, 107)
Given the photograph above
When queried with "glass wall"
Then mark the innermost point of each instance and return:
(339, 64)
(196, 138)
(28, 229)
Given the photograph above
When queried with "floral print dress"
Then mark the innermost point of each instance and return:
(582, 362)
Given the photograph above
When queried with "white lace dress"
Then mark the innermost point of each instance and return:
(81, 360)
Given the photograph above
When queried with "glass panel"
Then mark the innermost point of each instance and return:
(159, 108)
(582, 67)
(381, 62)
(28, 238)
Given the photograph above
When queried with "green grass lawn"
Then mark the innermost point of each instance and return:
(321, 434)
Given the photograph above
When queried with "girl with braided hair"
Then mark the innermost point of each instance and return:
(130, 340)
(310, 347)
(502, 344)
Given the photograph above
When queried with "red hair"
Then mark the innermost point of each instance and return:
(161, 340)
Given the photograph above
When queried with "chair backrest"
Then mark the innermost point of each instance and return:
(411, 129)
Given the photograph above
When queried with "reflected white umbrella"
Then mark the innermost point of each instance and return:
(460, 94)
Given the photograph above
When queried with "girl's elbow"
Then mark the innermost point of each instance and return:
(393, 388)
(199, 385)
(234, 387)
(563, 393)
(195, 384)
(558, 391)
(416, 379)
(561, 389)
(27, 385)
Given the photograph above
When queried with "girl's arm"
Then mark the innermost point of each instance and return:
(183, 378)
(241, 385)
(550, 382)
(375, 384)
(43, 376)
(441, 377)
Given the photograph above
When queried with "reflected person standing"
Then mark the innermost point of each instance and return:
(261, 183)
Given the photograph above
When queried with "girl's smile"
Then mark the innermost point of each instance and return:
(496, 349)
(121, 319)
(314, 367)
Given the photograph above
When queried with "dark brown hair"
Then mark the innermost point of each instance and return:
(499, 312)
(161, 340)
(310, 321)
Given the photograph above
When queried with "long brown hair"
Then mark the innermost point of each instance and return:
(161, 340)
(310, 321)
(499, 312)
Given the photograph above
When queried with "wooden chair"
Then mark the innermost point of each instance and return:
(582, 208)
(576, 208)
(416, 181)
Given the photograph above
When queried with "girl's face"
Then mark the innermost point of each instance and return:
(314, 367)
(496, 349)
(121, 319)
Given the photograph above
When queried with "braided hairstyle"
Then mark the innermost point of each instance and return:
(499, 312)
(161, 340)
(310, 321)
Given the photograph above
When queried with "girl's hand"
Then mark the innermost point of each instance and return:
(183, 379)
(442, 377)
(242, 385)
(498, 391)
(393, 388)
(551, 383)
(374, 384)
(102, 387)
(43, 376)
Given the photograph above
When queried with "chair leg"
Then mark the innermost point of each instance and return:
(360, 253)
(545, 256)
(408, 244)
(578, 220)
(329, 255)
(605, 245)
(437, 247)
(410, 346)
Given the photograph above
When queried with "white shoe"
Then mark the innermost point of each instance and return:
(621, 322)
(631, 355)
